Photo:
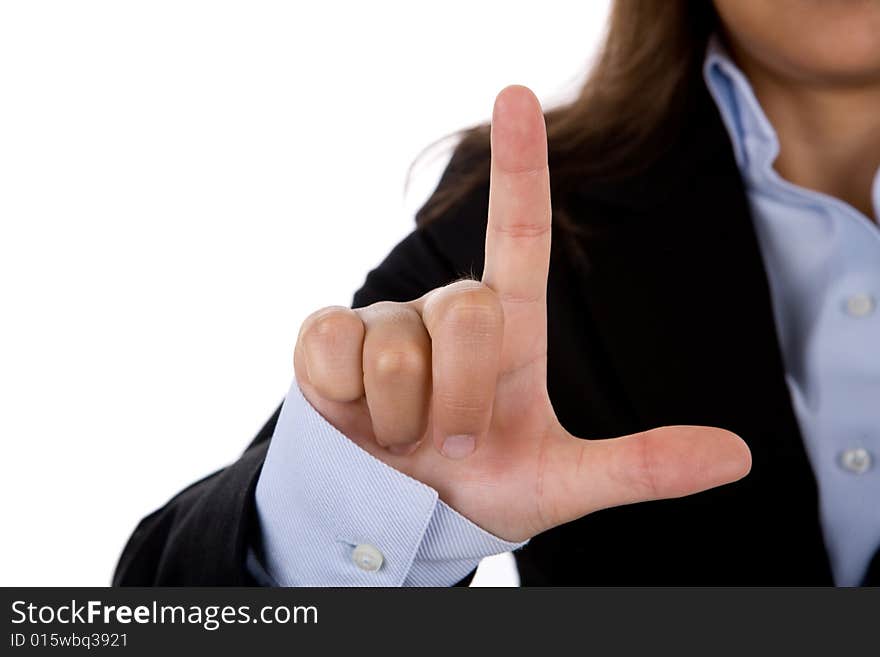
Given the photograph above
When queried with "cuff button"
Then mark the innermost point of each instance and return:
(367, 557)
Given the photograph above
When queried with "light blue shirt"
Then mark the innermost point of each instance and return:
(822, 258)
(323, 503)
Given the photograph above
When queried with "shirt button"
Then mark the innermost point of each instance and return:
(860, 305)
(856, 460)
(366, 557)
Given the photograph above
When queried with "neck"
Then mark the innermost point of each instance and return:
(829, 136)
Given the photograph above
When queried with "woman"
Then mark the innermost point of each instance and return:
(713, 273)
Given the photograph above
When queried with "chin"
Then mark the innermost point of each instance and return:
(811, 40)
(843, 57)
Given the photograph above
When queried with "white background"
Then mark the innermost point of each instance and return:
(180, 184)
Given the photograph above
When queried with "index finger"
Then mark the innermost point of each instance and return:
(518, 233)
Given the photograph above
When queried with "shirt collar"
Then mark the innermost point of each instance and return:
(754, 140)
(755, 143)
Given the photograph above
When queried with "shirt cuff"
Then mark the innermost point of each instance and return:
(319, 496)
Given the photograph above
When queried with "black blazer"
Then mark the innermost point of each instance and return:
(663, 318)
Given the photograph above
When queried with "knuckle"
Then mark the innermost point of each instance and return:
(331, 328)
(402, 362)
(383, 308)
(463, 407)
(643, 474)
(522, 229)
(476, 310)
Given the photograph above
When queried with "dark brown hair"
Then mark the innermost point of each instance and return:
(620, 120)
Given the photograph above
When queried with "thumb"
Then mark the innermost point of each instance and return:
(584, 476)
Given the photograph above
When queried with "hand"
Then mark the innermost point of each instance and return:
(451, 388)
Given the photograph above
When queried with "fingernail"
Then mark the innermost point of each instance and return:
(403, 450)
(457, 447)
